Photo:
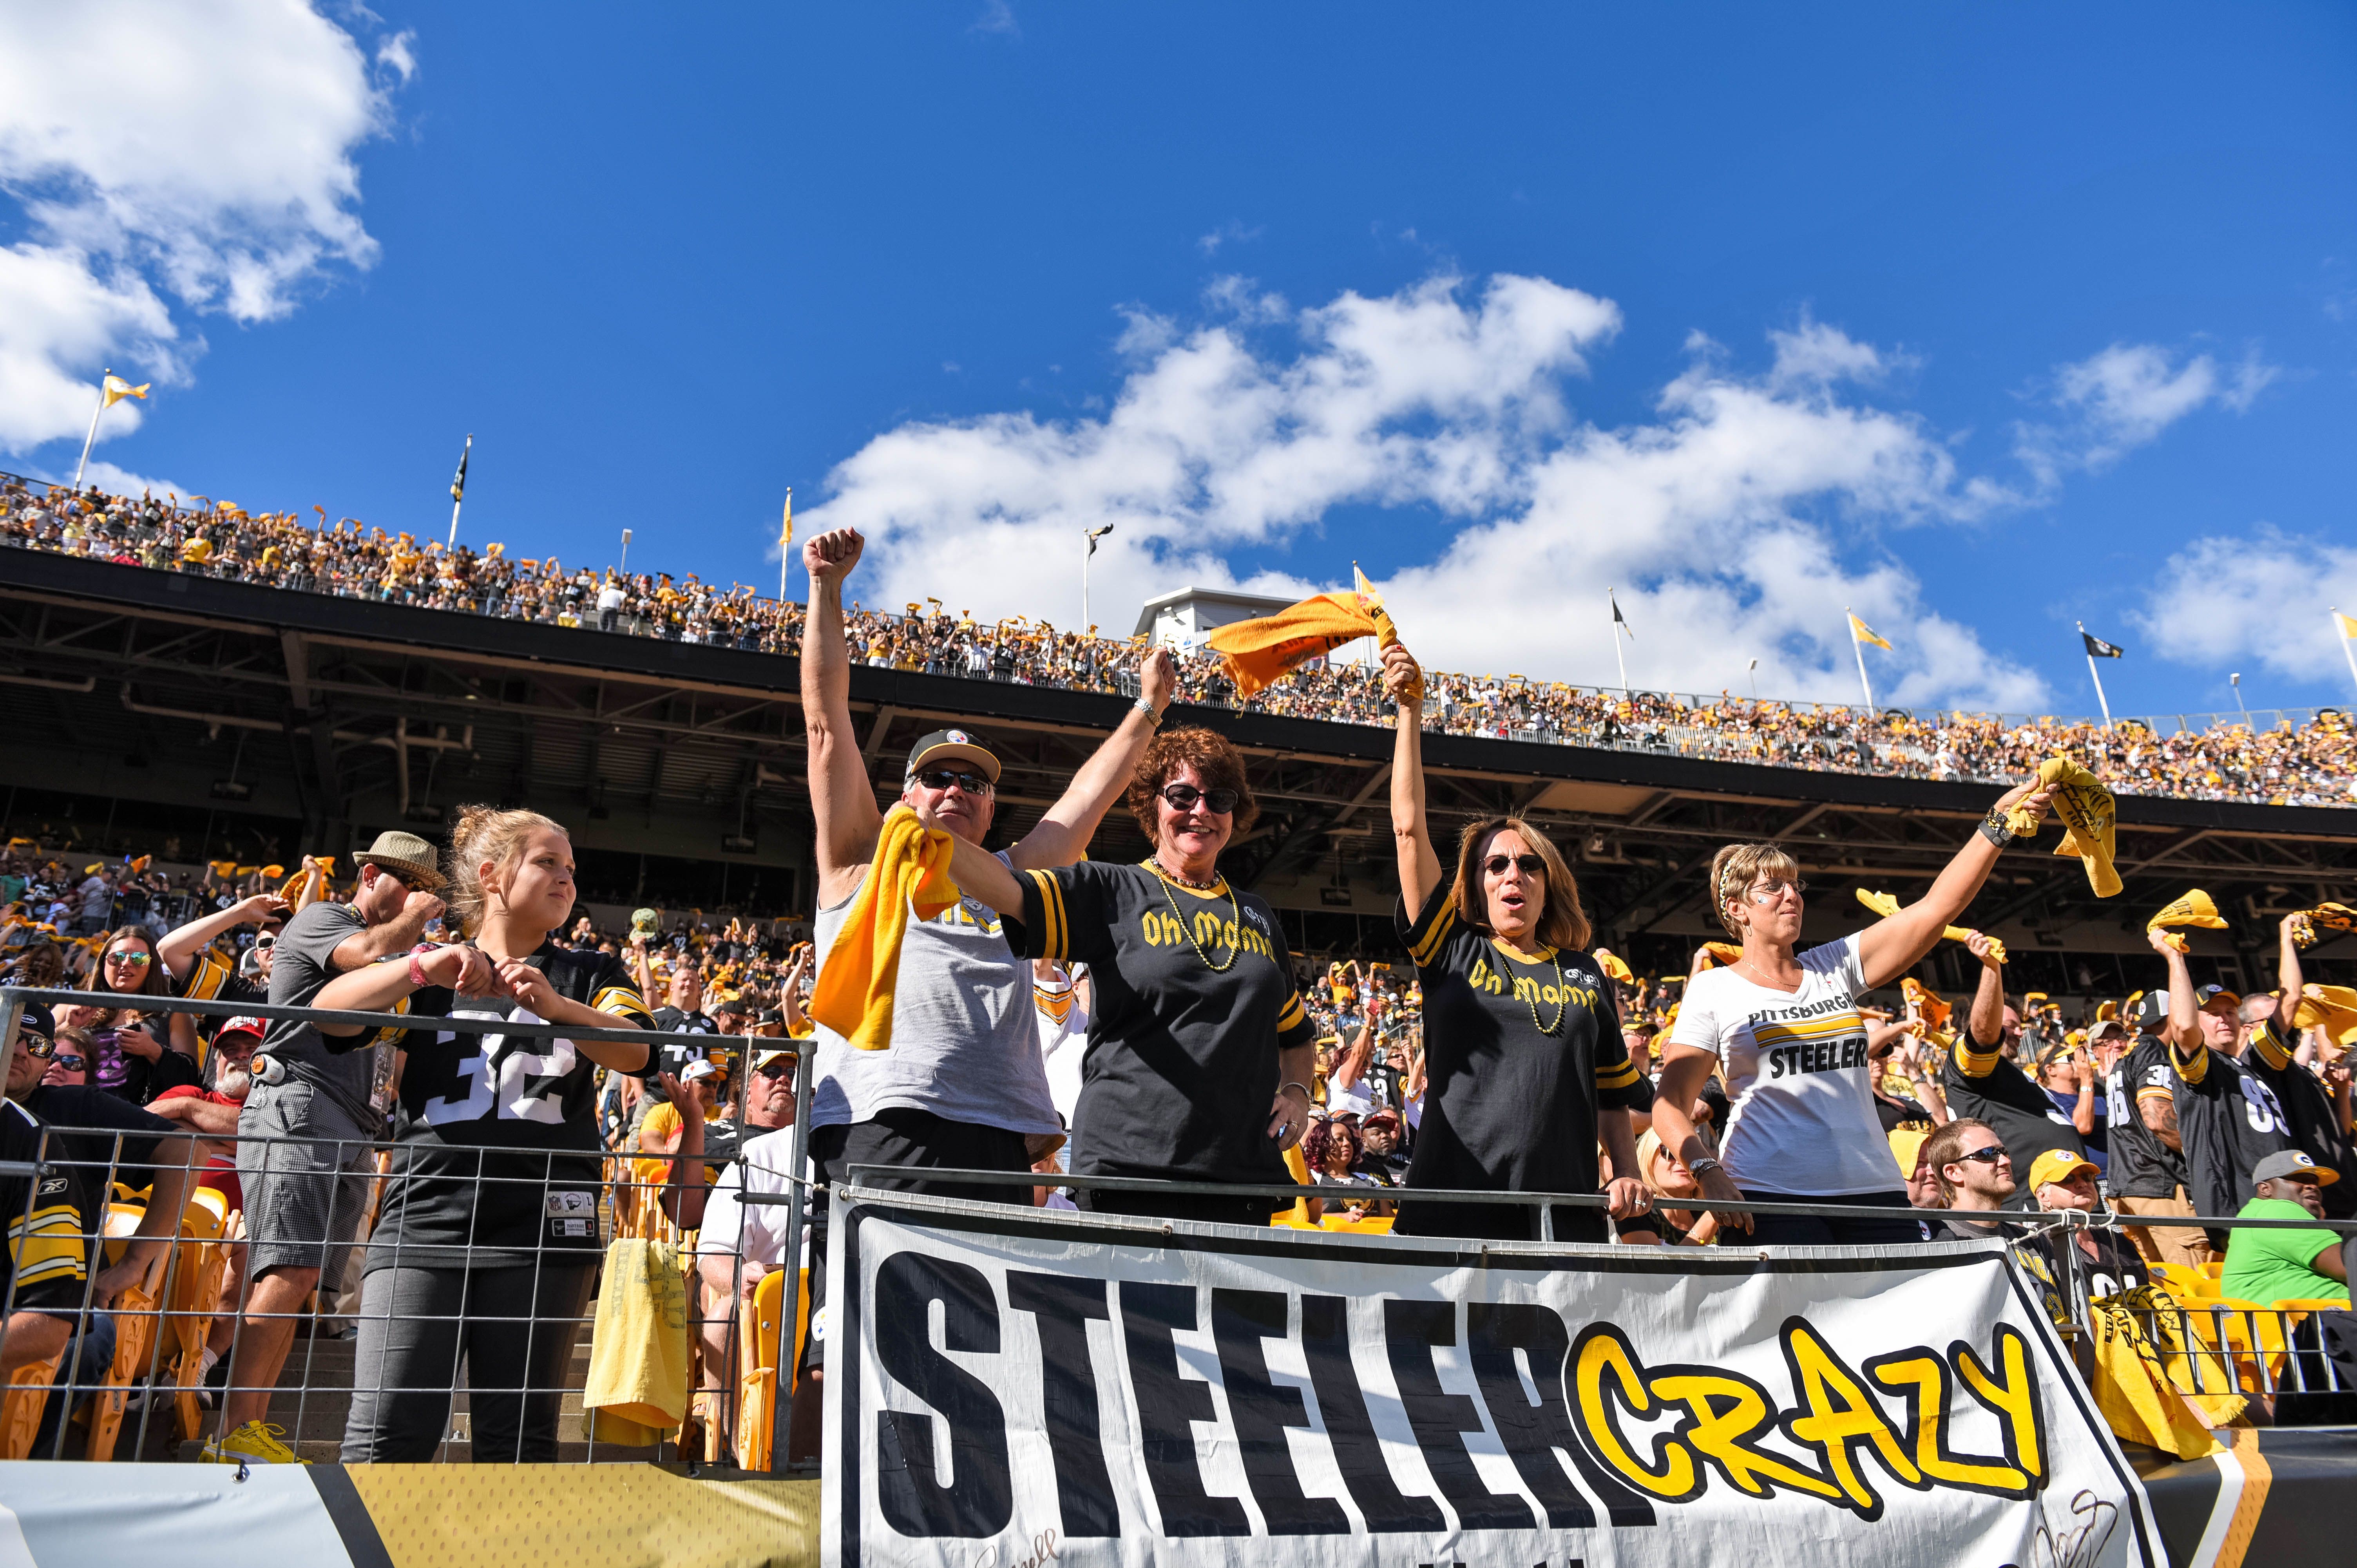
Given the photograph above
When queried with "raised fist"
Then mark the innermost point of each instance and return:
(830, 556)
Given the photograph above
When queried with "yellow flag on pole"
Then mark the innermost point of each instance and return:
(2347, 624)
(117, 388)
(786, 532)
(1865, 633)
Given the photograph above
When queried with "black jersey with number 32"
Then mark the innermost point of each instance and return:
(462, 1092)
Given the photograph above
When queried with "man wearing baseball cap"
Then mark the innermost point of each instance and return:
(962, 1084)
(303, 1157)
(2266, 1266)
(2105, 1265)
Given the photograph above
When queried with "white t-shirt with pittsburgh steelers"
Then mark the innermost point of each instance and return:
(1804, 1123)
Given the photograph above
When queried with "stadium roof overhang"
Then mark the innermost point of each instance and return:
(350, 714)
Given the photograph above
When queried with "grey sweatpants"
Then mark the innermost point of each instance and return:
(513, 1328)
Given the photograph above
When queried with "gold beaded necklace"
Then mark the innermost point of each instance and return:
(1235, 919)
(1562, 1003)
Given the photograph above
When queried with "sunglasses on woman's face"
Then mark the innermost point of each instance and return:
(1531, 865)
(1182, 798)
(131, 956)
(71, 1063)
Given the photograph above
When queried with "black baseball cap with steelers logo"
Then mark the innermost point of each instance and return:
(947, 746)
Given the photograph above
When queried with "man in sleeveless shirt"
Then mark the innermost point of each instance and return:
(963, 1085)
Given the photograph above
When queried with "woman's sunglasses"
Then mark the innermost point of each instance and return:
(1182, 798)
(71, 1063)
(131, 956)
(1531, 865)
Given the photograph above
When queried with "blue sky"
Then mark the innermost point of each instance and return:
(1979, 320)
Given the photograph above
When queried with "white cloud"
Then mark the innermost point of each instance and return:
(2263, 598)
(2124, 397)
(1731, 520)
(202, 155)
(997, 17)
(1232, 230)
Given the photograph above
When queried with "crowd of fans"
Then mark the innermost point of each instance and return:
(513, 1157)
(2314, 763)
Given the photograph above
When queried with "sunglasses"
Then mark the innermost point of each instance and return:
(1987, 1156)
(38, 1047)
(1769, 892)
(783, 1068)
(131, 956)
(942, 777)
(1531, 865)
(1182, 798)
(265, 942)
(71, 1063)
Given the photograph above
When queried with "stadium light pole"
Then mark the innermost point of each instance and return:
(1755, 679)
(625, 567)
(1092, 535)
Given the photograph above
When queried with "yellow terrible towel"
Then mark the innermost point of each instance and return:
(1887, 905)
(862, 972)
(2331, 917)
(2090, 820)
(637, 1388)
(2334, 1007)
(1259, 653)
(2134, 1388)
(2195, 909)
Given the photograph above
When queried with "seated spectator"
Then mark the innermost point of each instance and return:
(1659, 1167)
(1382, 1160)
(1332, 1149)
(1976, 1177)
(70, 1062)
(2320, 1384)
(742, 1242)
(2104, 1265)
(2267, 1266)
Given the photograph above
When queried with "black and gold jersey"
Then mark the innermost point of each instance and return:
(450, 1204)
(1980, 1083)
(1193, 998)
(2309, 1116)
(48, 1252)
(2141, 1166)
(1522, 1054)
(2227, 1122)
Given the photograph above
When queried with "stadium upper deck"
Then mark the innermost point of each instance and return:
(249, 721)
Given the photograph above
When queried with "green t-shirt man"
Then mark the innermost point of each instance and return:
(2267, 1266)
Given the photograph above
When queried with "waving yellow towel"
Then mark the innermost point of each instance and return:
(2090, 819)
(2332, 1006)
(862, 971)
(1613, 968)
(2331, 917)
(1260, 652)
(1926, 1002)
(2194, 908)
(1887, 905)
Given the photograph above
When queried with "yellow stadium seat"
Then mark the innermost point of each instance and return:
(757, 1407)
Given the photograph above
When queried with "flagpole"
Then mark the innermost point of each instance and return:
(1857, 646)
(2348, 647)
(1618, 657)
(2101, 701)
(457, 492)
(786, 546)
(90, 439)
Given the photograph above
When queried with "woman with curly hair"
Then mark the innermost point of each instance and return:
(1199, 1049)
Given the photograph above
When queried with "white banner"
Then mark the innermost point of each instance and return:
(1005, 1389)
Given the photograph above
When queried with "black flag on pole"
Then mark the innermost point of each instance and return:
(1622, 621)
(458, 484)
(2097, 647)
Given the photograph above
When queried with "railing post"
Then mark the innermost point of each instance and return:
(781, 1403)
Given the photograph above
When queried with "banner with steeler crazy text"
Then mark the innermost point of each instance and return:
(1007, 1388)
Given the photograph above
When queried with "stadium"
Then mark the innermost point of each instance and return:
(1360, 789)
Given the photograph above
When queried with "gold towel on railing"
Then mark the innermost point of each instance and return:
(2138, 1388)
(637, 1392)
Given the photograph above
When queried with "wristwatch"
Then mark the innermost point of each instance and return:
(1152, 717)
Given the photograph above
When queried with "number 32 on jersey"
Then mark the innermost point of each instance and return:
(509, 1079)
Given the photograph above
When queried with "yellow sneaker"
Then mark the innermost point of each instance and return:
(253, 1443)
